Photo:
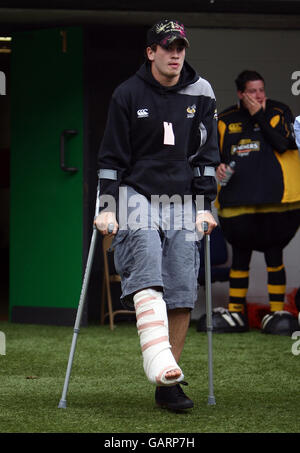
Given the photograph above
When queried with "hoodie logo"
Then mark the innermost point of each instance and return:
(191, 110)
(142, 113)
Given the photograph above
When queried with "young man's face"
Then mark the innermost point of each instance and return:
(255, 89)
(167, 63)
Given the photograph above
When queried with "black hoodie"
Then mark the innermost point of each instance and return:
(136, 144)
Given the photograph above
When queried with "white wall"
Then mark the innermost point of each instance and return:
(219, 55)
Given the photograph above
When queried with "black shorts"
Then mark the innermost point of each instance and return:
(261, 231)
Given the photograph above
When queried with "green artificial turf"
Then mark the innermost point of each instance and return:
(256, 382)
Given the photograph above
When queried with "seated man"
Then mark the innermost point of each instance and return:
(259, 206)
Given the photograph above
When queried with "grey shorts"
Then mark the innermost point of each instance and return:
(156, 247)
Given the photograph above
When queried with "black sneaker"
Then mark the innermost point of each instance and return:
(280, 323)
(173, 397)
(224, 321)
(297, 300)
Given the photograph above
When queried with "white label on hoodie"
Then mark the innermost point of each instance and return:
(169, 138)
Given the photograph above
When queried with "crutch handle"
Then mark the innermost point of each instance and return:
(110, 228)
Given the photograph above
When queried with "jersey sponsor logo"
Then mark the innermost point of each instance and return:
(234, 128)
(245, 147)
(142, 113)
(191, 110)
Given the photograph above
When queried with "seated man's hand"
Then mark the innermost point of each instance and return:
(221, 172)
(205, 216)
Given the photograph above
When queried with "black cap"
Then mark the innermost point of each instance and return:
(165, 32)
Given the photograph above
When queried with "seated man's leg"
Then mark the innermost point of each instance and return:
(279, 321)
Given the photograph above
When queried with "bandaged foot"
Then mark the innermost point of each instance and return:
(152, 324)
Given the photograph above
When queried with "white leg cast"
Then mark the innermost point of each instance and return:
(152, 325)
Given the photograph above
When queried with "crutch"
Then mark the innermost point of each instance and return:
(209, 328)
(63, 400)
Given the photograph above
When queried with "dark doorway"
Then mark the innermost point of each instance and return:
(112, 54)
(4, 174)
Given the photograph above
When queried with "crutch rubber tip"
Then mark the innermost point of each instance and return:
(62, 404)
(211, 400)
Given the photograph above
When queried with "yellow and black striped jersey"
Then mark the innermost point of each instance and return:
(267, 169)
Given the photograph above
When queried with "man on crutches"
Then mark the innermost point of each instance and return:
(157, 165)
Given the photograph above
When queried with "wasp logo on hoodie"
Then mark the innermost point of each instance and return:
(191, 110)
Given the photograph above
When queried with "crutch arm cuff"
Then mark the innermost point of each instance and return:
(108, 173)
